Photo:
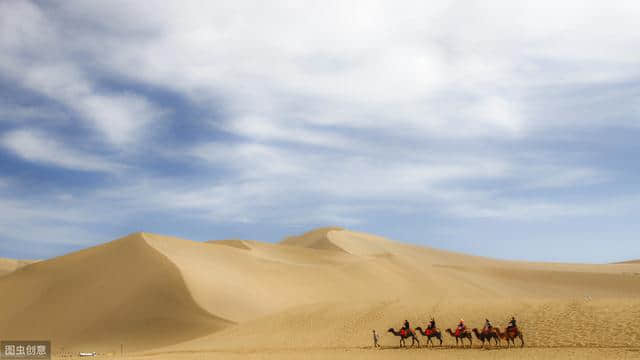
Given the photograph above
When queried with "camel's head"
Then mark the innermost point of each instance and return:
(419, 328)
(475, 330)
(390, 330)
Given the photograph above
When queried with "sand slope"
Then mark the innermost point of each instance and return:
(325, 289)
(630, 262)
(385, 282)
(119, 292)
(10, 265)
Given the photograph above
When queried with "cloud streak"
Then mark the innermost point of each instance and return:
(37, 147)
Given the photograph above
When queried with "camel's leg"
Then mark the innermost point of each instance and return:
(521, 341)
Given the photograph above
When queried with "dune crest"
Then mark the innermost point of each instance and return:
(314, 239)
(629, 262)
(340, 239)
(10, 265)
(236, 243)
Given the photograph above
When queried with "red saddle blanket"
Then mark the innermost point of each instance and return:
(403, 332)
(428, 332)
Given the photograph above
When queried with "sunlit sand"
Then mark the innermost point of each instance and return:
(315, 296)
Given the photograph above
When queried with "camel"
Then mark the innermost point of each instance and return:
(487, 336)
(510, 335)
(463, 335)
(431, 333)
(405, 335)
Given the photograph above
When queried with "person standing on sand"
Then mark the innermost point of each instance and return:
(375, 340)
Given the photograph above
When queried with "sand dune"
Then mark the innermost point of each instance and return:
(120, 292)
(630, 262)
(558, 305)
(10, 265)
(325, 289)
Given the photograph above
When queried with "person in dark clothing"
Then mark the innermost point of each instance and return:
(406, 325)
(512, 323)
(432, 324)
(375, 340)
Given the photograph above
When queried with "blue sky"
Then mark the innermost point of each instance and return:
(507, 129)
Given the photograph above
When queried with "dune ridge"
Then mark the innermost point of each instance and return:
(629, 262)
(10, 265)
(237, 243)
(314, 239)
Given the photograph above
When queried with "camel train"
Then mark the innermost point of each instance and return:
(487, 334)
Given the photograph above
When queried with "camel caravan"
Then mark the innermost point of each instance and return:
(487, 335)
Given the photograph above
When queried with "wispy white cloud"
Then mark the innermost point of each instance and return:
(422, 178)
(262, 129)
(41, 148)
(36, 54)
(564, 177)
(537, 210)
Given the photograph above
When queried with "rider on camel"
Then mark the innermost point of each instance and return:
(461, 327)
(432, 324)
(487, 326)
(406, 328)
(512, 323)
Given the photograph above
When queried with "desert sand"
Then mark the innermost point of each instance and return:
(10, 265)
(316, 296)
